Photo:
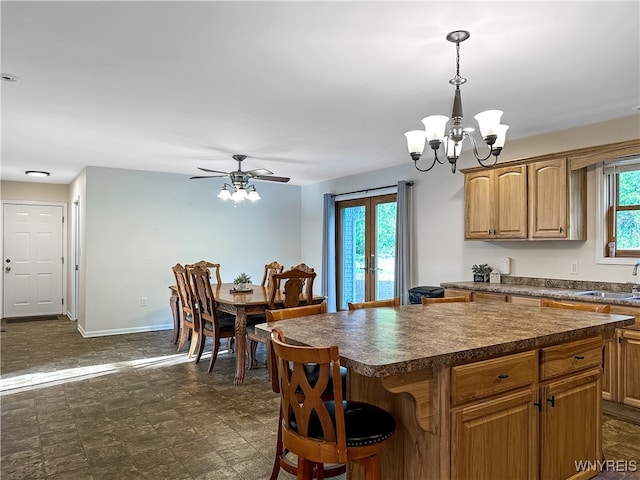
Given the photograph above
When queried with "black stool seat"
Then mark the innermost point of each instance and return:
(364, 423)
(313, 371)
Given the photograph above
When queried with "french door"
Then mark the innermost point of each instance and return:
(366, 246)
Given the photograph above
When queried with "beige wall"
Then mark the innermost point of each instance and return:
(47, 192)
(439, 250)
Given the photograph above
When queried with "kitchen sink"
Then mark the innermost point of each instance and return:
(607, 294)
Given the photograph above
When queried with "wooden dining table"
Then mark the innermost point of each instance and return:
(240, 304)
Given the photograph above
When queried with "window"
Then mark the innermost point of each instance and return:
(622, 196)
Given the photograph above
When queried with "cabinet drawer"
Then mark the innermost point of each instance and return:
(570, 357)
(481, 379)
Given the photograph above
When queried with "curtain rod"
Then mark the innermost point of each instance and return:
(409, 184)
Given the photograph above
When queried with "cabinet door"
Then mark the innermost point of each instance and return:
(548, 199)
(629, 380)
(570, 426)
(496, 438)
(478, 205)
(511, 202)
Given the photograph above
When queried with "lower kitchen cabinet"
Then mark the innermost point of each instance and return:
(548, 420)
(496, 438)
(570, 423)
(629, 362)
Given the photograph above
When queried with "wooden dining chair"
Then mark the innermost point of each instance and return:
(305, 268)
(212, 267)
(209, 325)
(321, 431)
(269, 270)
(466, 298)
(189, 317)
(294, 288)
(296, 285)
(391, 302)
(576, 306)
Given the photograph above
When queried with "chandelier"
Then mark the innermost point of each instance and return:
(435, 126)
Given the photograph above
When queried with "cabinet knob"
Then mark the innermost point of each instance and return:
(503, 376)
(552, 400)
(579, 357)
(539, 405)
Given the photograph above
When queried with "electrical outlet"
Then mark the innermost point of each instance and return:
(143, 302)
(574, 268)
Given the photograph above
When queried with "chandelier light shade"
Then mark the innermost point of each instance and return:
(239, 192)
(435, 131)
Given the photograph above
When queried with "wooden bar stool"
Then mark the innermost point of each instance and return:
(466, 298)
(576, 306)
(320, 431)
(391, 302)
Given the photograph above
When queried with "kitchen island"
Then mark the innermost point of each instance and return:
(477, 390)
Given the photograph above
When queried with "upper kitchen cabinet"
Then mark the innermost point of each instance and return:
(557, 201)
(535, 200)
(496, 203)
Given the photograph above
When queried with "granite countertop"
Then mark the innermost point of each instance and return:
(550, 288)
(377, 342)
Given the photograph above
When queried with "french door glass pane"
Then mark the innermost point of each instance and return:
(385, 250)
(353, 255)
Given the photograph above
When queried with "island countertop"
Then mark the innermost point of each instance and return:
(379, 342)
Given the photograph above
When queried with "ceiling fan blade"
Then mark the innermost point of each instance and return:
(212, 171)
(271, 178)
(258, 172)
(208, 176)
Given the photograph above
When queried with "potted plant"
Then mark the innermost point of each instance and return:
(481, 272)
(242, 282)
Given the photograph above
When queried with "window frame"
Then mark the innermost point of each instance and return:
(606, 192)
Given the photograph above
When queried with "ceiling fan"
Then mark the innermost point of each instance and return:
(240, 179)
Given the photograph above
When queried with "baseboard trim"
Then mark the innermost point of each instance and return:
(123, 331)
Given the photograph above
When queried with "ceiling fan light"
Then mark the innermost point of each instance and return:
(434, 127)
(253, 194)
(489, 122)
(224, 193)
(239, 195)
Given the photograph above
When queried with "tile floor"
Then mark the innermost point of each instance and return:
(129, 407)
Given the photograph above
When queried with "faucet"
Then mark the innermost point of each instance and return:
(635, 269)
(634, 288)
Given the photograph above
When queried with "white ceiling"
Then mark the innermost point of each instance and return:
(309, 90)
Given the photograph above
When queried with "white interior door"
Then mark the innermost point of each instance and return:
(33, 260)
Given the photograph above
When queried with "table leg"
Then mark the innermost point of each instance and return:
(174, 303)
(241, 336)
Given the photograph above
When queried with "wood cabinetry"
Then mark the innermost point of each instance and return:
(620, 380)
(629, 366)
(570, 425)
(534, 200)
(529, 415)
(479, 297)
(496, 438)
(496, 203)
